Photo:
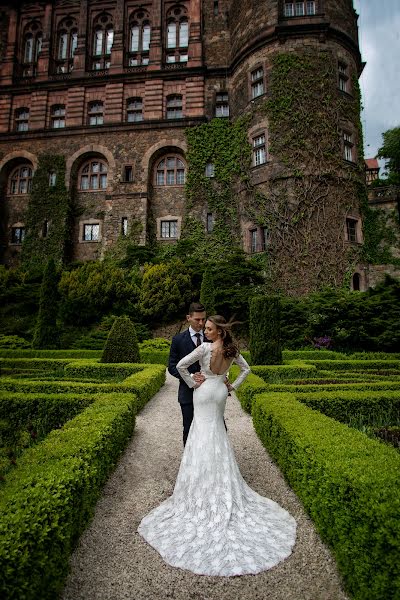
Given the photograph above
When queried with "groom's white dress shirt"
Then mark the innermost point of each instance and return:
(193, 335)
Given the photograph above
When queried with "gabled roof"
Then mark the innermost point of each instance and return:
(371, 163)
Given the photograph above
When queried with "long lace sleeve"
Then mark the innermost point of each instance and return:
(244, 371)
(188, 360)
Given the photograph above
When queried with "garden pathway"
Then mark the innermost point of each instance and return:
(113, 562)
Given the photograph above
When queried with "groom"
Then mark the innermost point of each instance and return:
(183, 344)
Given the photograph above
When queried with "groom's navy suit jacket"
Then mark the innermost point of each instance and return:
(182, 345)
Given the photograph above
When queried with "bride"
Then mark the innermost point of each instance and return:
(214, 523)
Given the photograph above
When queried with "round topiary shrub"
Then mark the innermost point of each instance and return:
(265, 339)
(122, 344)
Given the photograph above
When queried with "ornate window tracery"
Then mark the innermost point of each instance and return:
(177, 41)
(31, 47)
(67, 42)
(139, 38)
(93, 175)
(102, 41)
(170, 170)
(21, 179)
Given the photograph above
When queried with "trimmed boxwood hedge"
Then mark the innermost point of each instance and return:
(95, 370)
(348, 483)
(359, 386)
(356, 365)
(344, 405)
(50, 497)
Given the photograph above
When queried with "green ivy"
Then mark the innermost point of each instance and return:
(225, 145)
(51, 204)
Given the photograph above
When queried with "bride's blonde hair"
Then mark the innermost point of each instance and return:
(229, 347)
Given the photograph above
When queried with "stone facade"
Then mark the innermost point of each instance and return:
(116, 82)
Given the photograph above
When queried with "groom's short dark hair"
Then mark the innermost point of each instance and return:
(196, 307)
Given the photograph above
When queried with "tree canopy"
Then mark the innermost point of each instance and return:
(390, 150)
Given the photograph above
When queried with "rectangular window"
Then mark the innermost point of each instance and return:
(135, 110)
(348, 146)
(215, 7)
(222, 105)
(174, 107)
(253, 240)
(343, 77)
(128, 173)
(91, 232)
(22, 120)
(210, 222)
(351, 230)
(17, 235)
(124, 226)
(96, 114)
(264, 238)
(257, 82)
(169, 229)
(259, 152)
(58, 117)
(210, 170)
(45, 229)
(299, 9)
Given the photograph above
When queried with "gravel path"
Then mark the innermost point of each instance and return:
(113, 562)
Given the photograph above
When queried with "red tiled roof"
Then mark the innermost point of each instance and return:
(371, 163)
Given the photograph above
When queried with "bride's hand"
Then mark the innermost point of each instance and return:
(199, 378)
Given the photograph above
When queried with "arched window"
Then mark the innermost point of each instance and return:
(103, 37)
(139, 38)
(67, 42)
(170, 170)
(93, 175)
(177, 35)
(31, 48)
(21, 179)
(22, 119)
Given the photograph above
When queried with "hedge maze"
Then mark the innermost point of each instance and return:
(63, 424)
(327, 425)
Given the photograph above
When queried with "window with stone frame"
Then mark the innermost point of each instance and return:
(17, 234)
(257, 82)
(174, 107)
(352, 230)
(128, 173)
(93, 175)
(95, 113)
(253, 240)
(169, 229)
(259, 150)
(139, 37)
(348, 146)
(103, 37)
(170, 170)
(57, 117)
(134, 110)
(124, 226)
(21, 119)
(31, 48)
(66, 45)
(91, 232)
(299, 8)
(265, 238)
(210, 170)
(177, 35)
(222, 104)
(20, 180)
(343, 76)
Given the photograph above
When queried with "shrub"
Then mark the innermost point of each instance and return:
(265, 345)
(207, 292)
(166, 290)
(347, 482)
(122, 345)
(46, 333)
(13, 341)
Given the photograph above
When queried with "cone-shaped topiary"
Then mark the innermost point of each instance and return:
(122, 344)
(46, 333)
(265, 339)
(207, 293)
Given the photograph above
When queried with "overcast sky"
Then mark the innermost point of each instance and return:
(379, 34)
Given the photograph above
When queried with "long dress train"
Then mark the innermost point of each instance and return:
(214, 523)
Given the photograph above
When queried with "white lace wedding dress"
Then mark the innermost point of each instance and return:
(214, 523)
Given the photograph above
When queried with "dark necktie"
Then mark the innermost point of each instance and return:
(198, 339)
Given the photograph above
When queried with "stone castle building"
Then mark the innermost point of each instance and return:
(111, 85)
